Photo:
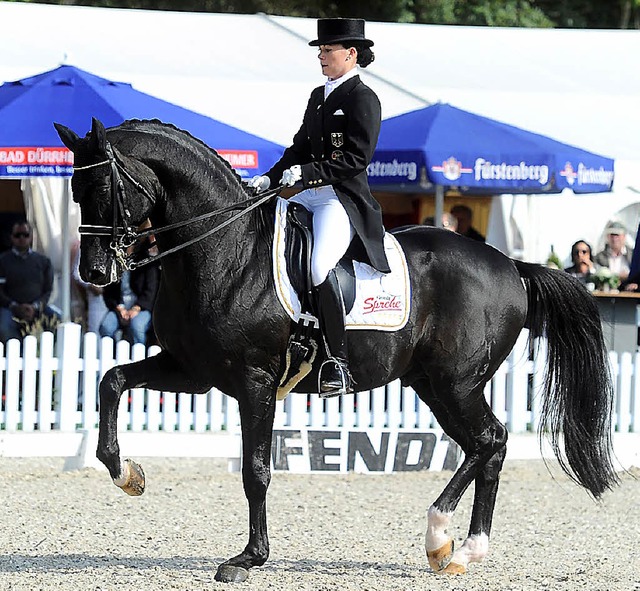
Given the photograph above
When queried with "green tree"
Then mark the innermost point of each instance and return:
(592, 14)
(493, 13)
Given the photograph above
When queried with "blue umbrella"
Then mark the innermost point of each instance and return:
(444, 146)
(30, 146)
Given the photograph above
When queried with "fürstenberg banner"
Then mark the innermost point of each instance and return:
(485, 173)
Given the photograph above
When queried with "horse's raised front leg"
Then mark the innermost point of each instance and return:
(257, 410)
(159, 372)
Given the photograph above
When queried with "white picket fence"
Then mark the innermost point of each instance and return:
(52, 386)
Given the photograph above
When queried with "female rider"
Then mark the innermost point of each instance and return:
(329, 155)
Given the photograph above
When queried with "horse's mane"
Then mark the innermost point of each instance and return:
(263, 214)
(171, 131)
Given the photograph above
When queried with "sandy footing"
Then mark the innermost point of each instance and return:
(75, 531)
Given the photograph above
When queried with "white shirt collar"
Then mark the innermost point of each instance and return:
(23, 255)
(331, 85)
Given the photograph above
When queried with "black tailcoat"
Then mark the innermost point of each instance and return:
(334, 146)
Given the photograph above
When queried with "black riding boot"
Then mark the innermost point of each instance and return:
(334, 377)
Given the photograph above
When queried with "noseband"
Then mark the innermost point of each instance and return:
(124, 235)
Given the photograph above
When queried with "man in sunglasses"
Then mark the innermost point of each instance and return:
(26, 281)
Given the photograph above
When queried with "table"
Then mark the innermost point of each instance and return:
(619, 319)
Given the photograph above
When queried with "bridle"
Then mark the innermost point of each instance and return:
(124, 235)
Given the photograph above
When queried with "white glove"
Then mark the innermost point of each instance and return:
(260, 183)
(291, 176)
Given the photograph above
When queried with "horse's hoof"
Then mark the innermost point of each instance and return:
(231, 574)
(454, 568)
(132, 479)
(440, 558)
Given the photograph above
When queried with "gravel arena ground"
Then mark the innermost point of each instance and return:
(76, 531)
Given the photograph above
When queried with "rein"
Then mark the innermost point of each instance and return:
(124, 236)
(252, 203)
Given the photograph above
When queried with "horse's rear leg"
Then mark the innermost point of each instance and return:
(157, 372)
(476, 545)
(468, 421)
(256, 413)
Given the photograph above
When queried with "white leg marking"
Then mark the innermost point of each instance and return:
(474, 549)
(124, 474)
(437, 523)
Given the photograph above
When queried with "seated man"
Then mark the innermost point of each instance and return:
(130, 303)
(616, 256)
(26, 281)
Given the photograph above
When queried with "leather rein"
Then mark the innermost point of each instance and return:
(124, 235)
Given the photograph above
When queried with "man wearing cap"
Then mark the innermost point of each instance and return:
(26, 282)
(329, 157)
(616, 256)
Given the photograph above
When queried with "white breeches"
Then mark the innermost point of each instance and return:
(332, 230)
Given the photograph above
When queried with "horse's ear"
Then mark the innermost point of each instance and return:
(69, 138)
(98, 136)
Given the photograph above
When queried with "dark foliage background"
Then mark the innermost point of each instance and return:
(585, 14)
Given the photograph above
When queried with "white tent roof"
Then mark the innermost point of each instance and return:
(244, 70)
(256, 71)
(577, 86)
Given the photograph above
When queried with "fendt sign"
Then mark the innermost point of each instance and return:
(372, 450)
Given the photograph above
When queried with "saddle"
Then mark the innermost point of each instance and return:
(298, 247)
(373, 300)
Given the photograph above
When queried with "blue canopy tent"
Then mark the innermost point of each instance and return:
(443, 146)
(72, 97)
(30, 146)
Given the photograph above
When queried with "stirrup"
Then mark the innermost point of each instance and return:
(343, 384)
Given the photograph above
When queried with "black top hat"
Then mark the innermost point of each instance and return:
(337, 30)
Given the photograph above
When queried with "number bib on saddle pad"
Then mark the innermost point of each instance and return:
(382, 299)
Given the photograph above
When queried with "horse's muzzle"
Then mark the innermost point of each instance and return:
(97, 266)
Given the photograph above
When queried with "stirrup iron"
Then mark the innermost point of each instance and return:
(343, 384)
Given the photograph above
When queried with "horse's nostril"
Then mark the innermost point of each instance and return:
(95, 276)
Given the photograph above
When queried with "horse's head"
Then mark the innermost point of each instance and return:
(115, 196)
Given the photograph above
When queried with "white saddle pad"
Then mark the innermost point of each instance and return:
(382, 299)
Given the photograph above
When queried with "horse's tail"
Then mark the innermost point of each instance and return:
(578, 391)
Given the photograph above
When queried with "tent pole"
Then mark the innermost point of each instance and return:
(437, 218)
(65, 288)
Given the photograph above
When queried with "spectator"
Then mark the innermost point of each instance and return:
(615, 256)
(449, 221)
(26, 281)
(464, 215)
(91, 295)
(130, 303)
(632, 283)
(583, 267)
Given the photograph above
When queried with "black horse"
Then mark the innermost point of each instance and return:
(220, 325)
